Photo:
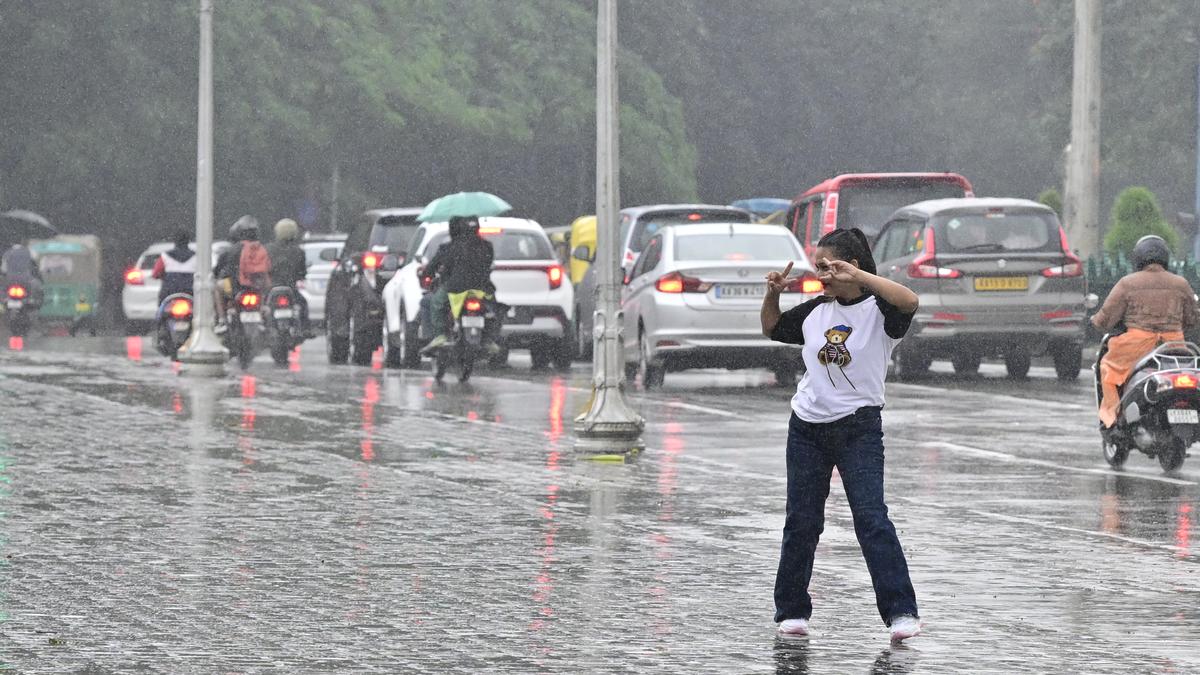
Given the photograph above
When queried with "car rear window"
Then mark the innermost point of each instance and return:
(998, 232)
(395, 237)
(868, 206)
(148, 260)
(735, 247)
(508, 245)
(312, 252)
(651, 223)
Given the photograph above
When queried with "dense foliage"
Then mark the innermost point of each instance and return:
(1136, 214)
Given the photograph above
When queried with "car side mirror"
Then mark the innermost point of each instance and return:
(583, 253)
(328, 254)
(627, 278)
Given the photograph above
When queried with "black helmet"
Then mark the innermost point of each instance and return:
(458, 226)
(1149, 250)
(244, 229)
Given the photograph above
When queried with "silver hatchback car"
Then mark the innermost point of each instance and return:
(996, 278)
(693, 297)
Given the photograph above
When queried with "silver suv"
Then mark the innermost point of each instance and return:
(996, 278)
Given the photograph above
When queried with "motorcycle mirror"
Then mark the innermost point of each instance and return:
(1092, 301)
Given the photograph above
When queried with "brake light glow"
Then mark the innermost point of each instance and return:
(248, 300)
(948, 316)
(694, 217)
(555, 274)
(180, 308)
(371, 261)
(1060, 314)
(426, 282)
(473, 306)
(486, 231)
(675, 282)
(925, 266)
(1185, 381)
(17, 292)
(1072, 268)
(805, 284)
(283, 301)
(134, 277)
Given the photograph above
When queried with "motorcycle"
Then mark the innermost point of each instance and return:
(174, 324)
(245, 332)
(466, 337)
(1159, 413)
(20, 308)
(284, 332)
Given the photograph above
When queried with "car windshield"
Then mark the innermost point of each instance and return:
(868, 206)
(312, 251)
(735, 246)
(998, 232)
(392, 237)
(650, 224)
(508, 245)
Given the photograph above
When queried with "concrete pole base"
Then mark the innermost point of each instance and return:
(610, 419)
(203, 354)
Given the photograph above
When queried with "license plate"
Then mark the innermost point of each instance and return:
(1183, 416)
(1001, 283)
(283, 314)
(181, 326)
(83, 307)
(741, 290)
(15, 304)
(472, 322)
(251, 317)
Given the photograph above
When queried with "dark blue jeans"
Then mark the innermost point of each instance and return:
(854, 445)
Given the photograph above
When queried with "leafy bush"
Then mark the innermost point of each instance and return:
(1136, 214)
(1050, 197)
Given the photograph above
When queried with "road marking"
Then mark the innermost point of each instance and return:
(1017, 459)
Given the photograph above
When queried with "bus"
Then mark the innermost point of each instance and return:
(865, 201)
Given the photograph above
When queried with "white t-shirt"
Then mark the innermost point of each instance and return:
(847, 349)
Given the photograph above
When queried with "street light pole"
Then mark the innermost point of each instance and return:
(203, 352)
(1082, 207)
(609, 417)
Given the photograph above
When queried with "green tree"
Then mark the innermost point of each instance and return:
(1136, 214)
(1051, 197)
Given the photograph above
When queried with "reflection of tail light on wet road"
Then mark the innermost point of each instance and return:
(16, 344)
(133, 347)
(1183, 530)
(370, 398)
(558, 400)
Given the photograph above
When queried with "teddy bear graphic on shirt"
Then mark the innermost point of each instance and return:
(835, 353)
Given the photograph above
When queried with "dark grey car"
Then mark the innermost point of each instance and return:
(995, 277)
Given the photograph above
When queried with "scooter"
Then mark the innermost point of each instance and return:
(466, 338)
(245, 332)
(283, 330)
(174, 324)
(1159, 413)
(19, 309)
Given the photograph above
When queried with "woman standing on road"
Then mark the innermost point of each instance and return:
(848, 336)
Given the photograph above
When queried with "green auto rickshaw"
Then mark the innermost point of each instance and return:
(70, 269)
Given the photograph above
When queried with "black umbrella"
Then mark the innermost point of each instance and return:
(18, 224)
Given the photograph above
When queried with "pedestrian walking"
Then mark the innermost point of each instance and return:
(848, 335)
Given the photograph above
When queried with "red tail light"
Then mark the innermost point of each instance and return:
(925, 266)
(180, 308)
(489, 231)
(17, 292)
(426, 282)
(248, 300)
(283, 301)
(371, 261)
(555, 274)
(805, 284)
(473, 306)
(1072, 268)
(134, 277)
(678, 283)
(831, 207)
(1185, 381)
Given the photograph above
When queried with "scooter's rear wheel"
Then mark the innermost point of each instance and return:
(1171, 458)
(1115, 453)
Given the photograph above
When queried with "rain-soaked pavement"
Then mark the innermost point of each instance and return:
(316, 518)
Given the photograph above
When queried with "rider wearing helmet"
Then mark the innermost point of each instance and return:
(1154, 305)
(465, 264)
(288, 265)
(245, 265)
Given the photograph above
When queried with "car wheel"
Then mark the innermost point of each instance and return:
(392, 357)
(499, 359)
(631, 371)
(785, 375)
(1017, 362)
(966, 364)
(363, 343)
(1171, 457)
(337, 347)
(564, 352)
(1068, 361)
(583, 340)
(540, 355)
(653, 375)
(410, 344)
(911, 365)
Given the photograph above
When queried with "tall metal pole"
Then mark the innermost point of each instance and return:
(333, 198)
(1083, 161)
(1196, 207)
(203, 352)
(609, 416)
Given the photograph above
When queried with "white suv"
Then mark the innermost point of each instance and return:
(528, 278)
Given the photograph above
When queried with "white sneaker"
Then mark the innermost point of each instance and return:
(905, 626)
(795, 627)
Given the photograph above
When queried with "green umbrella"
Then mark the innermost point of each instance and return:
(463, 204)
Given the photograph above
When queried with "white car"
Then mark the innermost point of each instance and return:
(321, 253)
(694, 296)
(139, 295)
(528, 278)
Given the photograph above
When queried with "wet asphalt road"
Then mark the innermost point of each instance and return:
(317, 518)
